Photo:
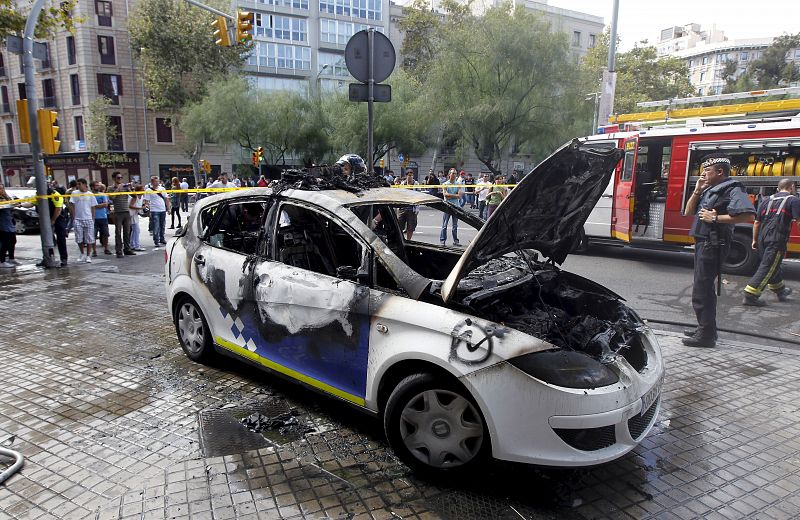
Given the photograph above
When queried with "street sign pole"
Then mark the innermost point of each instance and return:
(45, 229)
(370, 97)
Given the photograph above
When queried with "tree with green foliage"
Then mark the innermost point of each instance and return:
(771, 70)
(421, 27)
(500, 78)
(12, 19)
(286, 124)
(174, 45)
(99, 130)
(404, 124)
(641, 74)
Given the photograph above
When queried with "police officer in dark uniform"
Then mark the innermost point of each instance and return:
(717, 203)
(770, 234)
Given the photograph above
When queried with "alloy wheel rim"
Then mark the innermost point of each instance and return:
(190, 326)
(441, 428)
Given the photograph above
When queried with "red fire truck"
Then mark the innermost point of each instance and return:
(643, 204)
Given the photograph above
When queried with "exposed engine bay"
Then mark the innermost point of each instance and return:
(559, 307)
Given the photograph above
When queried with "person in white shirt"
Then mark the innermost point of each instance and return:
(222, 182)
(158, 203)
(484, 185)
(407, 215)
(82, 206)
(236, 182)
(184, 196)
(135, 204)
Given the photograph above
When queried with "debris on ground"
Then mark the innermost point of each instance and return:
(285, 423)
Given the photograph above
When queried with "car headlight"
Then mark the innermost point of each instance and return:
(566, 368)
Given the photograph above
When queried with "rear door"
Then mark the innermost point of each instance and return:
(622, 211)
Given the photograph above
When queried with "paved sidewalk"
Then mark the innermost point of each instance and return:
(110, 415)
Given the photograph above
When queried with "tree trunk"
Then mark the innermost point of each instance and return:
(195, 159)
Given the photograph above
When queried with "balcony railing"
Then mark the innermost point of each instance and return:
(15, 149)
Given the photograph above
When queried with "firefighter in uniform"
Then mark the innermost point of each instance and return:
(717, 203)
(770, 234)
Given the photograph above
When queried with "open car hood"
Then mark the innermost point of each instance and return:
(545, 211)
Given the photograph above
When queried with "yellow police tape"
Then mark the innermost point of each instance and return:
(33, 199)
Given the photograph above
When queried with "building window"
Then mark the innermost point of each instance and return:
(71, 60)
(115, 139)
(79, 128)
(281, 27)
(106, 46)
(592, 40)
(576, 38)
(705, 60)
(797, 54)
(21, 90)
(75, 89)
(46, 62)
(702, 76)
(2, 65)
(280, 55)
(332, 64)
(110, 85)
(368, 9)
(295, 4)
(163, 130)
(691, 63)
(338, 32)
(6, 105)
(48, 93)
(104, 12)
(743, 56)
(10, 136)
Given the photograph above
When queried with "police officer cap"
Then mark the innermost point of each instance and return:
(715, 159)
(355, 161)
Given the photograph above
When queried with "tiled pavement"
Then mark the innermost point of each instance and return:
(104, 406)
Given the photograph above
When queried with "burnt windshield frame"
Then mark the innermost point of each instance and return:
(222, 211)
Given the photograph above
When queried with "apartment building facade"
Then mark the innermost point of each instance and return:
(95, 61)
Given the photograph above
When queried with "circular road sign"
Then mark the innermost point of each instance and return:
(356, 56)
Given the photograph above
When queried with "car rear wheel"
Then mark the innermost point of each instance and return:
(193, 332)
(435, 427)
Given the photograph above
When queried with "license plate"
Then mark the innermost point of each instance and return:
(650, 397)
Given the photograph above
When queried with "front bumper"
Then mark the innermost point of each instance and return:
(536, 423)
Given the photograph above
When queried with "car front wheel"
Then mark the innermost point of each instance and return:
(193, 332)
(435, 427)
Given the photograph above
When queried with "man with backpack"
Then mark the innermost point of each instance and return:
(770, 233)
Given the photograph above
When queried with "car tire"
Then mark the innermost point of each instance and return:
(19, 227)
(193, 332)
(435, 427)
(742, 259)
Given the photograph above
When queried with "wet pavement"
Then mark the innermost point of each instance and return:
(115, 422)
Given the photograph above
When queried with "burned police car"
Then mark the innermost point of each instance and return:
(491, 351)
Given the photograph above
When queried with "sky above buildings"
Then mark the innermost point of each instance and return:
(644, 19)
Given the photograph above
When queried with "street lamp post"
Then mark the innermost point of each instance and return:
(317, 86)
(144, 115)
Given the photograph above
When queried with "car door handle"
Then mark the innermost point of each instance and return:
(607, 196)
(200, 260)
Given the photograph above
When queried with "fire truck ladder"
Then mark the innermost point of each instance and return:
(737, 109)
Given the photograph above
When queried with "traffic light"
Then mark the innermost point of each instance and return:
(260, 153)
(48, 131)
(244, 26)
(220, 26)
(23, 121)
(382, 163)
(205, 166)
(254, 157)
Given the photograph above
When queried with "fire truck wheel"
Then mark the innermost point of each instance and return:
(742, 259)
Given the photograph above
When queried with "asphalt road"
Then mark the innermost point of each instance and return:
(657, 284)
